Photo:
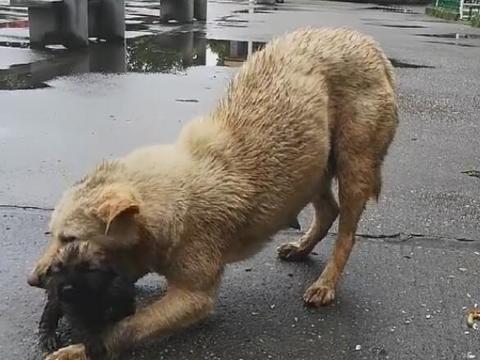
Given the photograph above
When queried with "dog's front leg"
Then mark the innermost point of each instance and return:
(193, 279)
(179, 308)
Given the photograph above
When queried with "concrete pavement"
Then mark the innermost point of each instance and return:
(412, 275)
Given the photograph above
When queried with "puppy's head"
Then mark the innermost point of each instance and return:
(83, 280)
(79, 273)
(99, 210)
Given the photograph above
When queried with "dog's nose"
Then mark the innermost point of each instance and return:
(34, 280)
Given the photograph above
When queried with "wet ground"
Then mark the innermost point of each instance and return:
(415, 269)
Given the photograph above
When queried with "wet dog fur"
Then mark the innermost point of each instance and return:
(312, 106)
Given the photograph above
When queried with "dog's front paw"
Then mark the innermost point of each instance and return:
(319, 295)
(72, 352)
(49, 342)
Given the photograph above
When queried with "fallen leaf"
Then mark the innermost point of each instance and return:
(473, 315)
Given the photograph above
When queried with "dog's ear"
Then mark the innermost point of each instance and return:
(116, 206)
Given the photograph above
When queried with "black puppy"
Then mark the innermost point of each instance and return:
(88, 293)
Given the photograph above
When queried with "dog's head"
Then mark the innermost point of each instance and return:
(97, 210)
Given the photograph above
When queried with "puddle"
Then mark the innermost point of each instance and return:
(137, 27)
(401, 64)
(402, 26)
(256, 10)
(171, 52)
(452, 36)
(451, 43)
(391, 9)
(232, 21)
(175, 52)
(231, 18)
(187, 100)
(277, 7)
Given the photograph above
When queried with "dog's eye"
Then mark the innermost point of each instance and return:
(55, 268)
(67, 238)
(87, 268)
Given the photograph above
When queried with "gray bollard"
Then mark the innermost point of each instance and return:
(75, 23)
(112, 19)
(200, 10)
(179, 10)
(44, 25)
(57, 22)
(106, 19)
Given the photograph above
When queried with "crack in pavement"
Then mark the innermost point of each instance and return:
(416, 239)
(407, 236)
(24, 207)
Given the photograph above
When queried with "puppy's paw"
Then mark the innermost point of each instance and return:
(319, 295)
(72, 352)
(292, 252)
(49, 342)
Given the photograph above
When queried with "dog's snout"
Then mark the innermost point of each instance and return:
(34, 279)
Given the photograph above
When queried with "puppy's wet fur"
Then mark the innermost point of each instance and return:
(88, 293)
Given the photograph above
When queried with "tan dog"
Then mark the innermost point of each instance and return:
(312, 105)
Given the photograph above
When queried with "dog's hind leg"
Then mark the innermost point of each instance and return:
(359, 178)
(322, 291)
(326, 211)
(366, 129)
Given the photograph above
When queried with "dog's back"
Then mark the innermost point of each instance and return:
(311, 102)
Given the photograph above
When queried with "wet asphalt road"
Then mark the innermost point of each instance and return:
(415, 269)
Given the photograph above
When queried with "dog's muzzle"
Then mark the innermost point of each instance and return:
(35, 280)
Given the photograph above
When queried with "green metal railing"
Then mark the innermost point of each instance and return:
(466, 9)
(447, 4)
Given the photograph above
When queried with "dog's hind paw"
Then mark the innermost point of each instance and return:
(292, 252)
(319, 295)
